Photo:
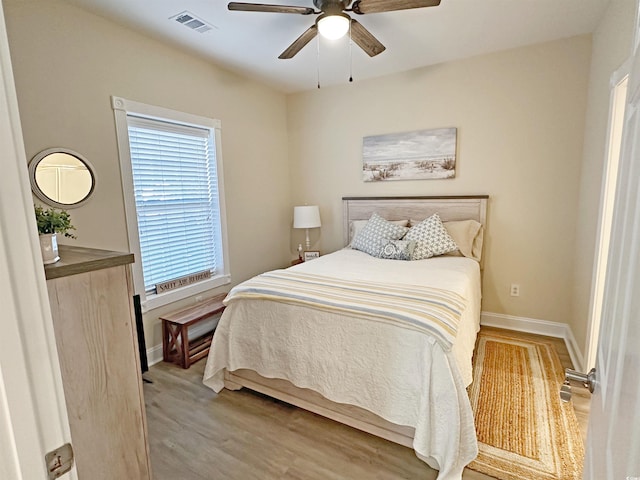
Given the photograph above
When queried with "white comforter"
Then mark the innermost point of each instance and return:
(401, 375)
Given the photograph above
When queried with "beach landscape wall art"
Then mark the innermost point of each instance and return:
(419, 155)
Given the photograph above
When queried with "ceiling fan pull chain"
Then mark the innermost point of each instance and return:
(350, 55)
(318, 60)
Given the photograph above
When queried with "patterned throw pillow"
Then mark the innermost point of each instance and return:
(431, 238)
(358, 225)
(396, 250)
(377, 229)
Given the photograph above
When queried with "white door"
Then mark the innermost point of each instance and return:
(613, 442)
(33, 417)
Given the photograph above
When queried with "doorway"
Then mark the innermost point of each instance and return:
(609, 181)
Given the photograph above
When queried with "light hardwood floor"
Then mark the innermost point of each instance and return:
(195, 434)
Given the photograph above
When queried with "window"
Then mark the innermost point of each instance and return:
(172, 181)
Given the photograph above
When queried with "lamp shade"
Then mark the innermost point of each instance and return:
(307, 216)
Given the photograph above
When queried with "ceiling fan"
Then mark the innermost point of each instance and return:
(333, 23)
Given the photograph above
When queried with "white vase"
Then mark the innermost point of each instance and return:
(49, 248)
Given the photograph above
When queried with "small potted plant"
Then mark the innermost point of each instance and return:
(51, 222)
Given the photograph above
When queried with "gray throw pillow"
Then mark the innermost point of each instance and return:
(377, 229)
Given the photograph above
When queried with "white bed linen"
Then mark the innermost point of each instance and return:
(401, 375)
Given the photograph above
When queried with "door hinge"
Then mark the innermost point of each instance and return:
(59, 461)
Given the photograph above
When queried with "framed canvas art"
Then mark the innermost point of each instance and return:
(419, 155)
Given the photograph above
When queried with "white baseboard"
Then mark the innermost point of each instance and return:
(539, 327)
(154, 354)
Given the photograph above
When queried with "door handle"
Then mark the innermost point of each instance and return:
(587, 379)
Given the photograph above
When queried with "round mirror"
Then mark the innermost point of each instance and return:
(61, 178)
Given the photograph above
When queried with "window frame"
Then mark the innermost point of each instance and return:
(121, 109)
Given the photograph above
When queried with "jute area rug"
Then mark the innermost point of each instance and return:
(524, 430)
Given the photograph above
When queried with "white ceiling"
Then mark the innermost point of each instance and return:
(250, 42)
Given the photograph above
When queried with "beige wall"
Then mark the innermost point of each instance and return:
(520, 119)
(612, 43)
(67, 63)
(520, 116)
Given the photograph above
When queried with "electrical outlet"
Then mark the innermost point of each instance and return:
(515, 290)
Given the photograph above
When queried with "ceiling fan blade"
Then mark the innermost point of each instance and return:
(377, 6)
(262, 7)
(365, 40)
(300, 42)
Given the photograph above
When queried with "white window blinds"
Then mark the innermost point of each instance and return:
(176, 199)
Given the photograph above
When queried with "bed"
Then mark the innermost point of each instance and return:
(371, 371)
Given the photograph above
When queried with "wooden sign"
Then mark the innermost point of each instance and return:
(182, 281)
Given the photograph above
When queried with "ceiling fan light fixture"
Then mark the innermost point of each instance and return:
(334, 26)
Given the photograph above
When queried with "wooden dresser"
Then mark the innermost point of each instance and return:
(90, 292)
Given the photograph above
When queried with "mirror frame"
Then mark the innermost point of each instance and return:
(35, 188)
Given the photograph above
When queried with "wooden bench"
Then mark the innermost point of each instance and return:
(176, 346)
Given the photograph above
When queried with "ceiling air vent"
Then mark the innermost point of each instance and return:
(194, 23)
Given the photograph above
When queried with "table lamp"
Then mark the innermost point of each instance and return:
(307, 216)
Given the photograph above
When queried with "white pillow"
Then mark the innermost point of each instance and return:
(375, 233)
(431, 238)
(468, 235)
